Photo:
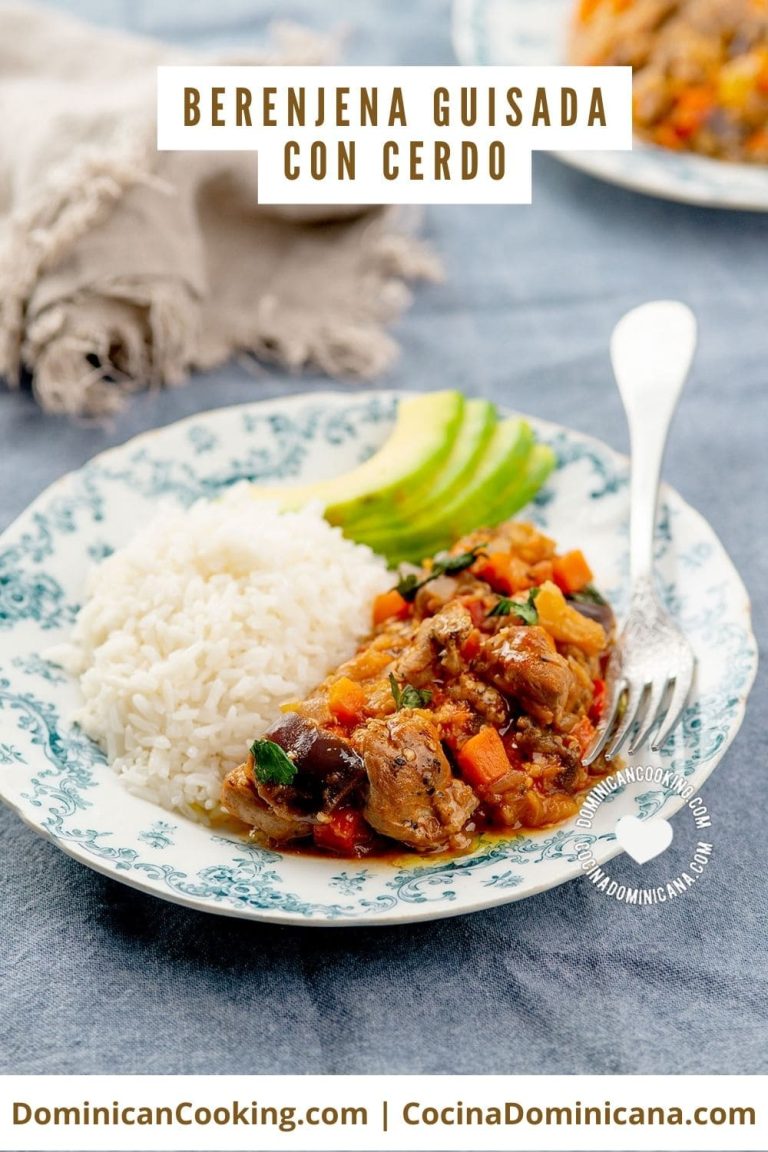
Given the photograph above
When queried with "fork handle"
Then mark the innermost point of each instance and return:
(651, 351)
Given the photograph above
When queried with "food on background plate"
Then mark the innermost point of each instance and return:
(700, 69)
(449, 465)
(469, 707)
(195, 632)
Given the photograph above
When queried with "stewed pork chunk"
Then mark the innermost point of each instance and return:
(413, 796)
(524, 664)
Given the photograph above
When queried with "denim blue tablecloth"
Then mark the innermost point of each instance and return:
(99, 978)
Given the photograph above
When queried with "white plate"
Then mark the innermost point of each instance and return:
(58, 782)
(534, 32)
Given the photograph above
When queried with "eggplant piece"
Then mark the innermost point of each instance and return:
(329, 770)
(593, 609)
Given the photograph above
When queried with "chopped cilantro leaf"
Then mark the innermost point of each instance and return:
(525, 611)
(408, 696)
(453, 564)
(588, 595)
(409, 585)
(271, 764)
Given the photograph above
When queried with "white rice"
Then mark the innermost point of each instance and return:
(195, 633)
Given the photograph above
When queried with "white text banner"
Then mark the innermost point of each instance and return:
(393, 135)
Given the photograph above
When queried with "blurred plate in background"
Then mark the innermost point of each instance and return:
(534, 32)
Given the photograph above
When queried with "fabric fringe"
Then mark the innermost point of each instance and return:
(74, 199)
(113, 278)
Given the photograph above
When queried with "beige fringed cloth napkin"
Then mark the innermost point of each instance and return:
(122, 267)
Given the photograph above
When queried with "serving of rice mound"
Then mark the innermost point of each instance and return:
(194, 634)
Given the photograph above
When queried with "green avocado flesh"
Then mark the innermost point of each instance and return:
(424, 433)
(450, 466)
(524, 486)
(403, 470)
(478, 423)
(474, 506)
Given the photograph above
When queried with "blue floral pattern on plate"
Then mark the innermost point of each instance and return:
(59, 783)
(529, 32)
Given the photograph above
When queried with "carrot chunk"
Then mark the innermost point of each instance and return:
(571, 572)
(691, 110)
(346, 701)
(389, 605)
(345, 833)
(504, 572)
(483, 759)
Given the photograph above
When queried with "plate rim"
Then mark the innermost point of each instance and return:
(395, 916)
(464, 42)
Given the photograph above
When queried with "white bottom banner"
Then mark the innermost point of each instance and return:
(558, 1113)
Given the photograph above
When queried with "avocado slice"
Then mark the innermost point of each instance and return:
(425, 430)
(439, 526)
(525, 485)
(468, 449)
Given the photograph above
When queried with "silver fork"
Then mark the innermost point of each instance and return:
(652, 665)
